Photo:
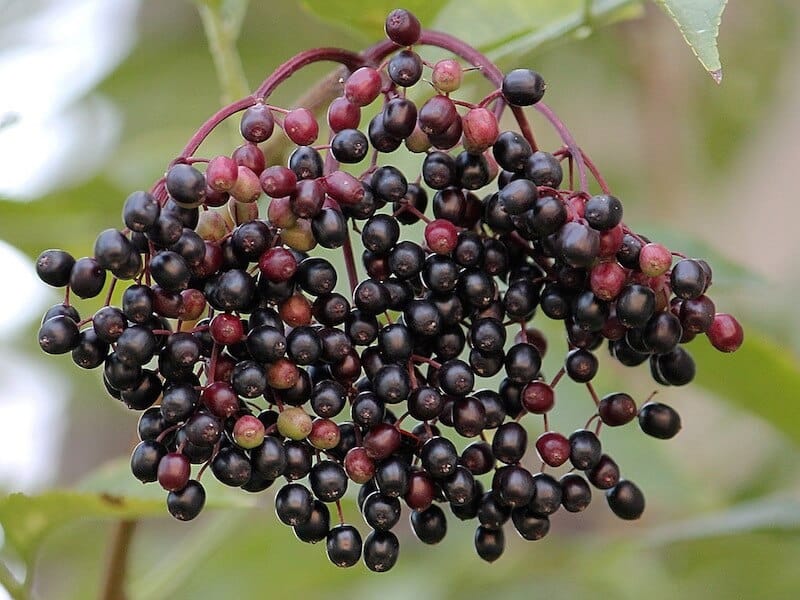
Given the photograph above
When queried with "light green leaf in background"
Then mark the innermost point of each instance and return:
(763, 514)
(525, 25)
(111, 492)
(27, 520)
(761, 377)
(369, 17)
(699, 22)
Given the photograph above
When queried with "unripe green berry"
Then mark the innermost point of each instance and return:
(248, 432)
(294, 423)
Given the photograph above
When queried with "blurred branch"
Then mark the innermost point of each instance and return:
(14, 588)
(114, 584)
(222, 22)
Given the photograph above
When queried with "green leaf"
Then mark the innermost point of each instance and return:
(369, 17)
(699, 22)
(763, 514)
(525, 25)
(110, 492)
(27, 520)
(761, 377)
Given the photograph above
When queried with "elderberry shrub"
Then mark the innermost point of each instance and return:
(251, 355)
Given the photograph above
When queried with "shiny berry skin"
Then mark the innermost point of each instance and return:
(617, 409)
(248, 432)
(688, 279)
(576, 494)
(226, 329)
(405, 68)
(173, 471)
(603, 212)
(581, 365)
(510, 442)
(381, 550)
(316, 528)
(301, 126)
(58, 335)
(54, 267)
(605, 474)
(553, 448)
(659, 420)
(343, 545)
(430, 525)
(185, 504)
(538, 397)
(402, 27)
(363, 86)
(441, 236)
(294, 504)
(294, 423)
(584, 449)
(626, 500)
(725, 333)
(489, 543)
(654, 259)
(523, 87)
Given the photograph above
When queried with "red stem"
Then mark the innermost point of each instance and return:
(569, 141)
(350, 264)
(206, 128)
(596, 173)
(349, 59)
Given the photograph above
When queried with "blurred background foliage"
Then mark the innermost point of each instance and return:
(98, 96)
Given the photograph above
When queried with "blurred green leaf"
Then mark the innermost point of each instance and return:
(369, 17)
(699, 22)
(110, 492)
(728, 274)
(761, 377)
(231, 11)
(764, 514)
(525, 25)
(27, 520)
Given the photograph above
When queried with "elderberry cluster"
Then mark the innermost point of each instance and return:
(247, 356)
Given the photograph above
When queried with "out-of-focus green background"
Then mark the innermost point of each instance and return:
(96, 96)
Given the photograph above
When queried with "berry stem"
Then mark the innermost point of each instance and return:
(350, 264)
(593, 393)
(116, 571)
(211, 376)
(339, 510)
(558, 377)
(596, 173)
(111, 291)
(206, 128)
(349, 59)
(569, 141)
(524, 126)
(423, 359)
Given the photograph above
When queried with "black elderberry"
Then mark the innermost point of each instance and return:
(523, 87)
(187, 503)
(659, 420)
(489, 543)
(294, 504)
(316, 528)
(626, 500)
(429, 525)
